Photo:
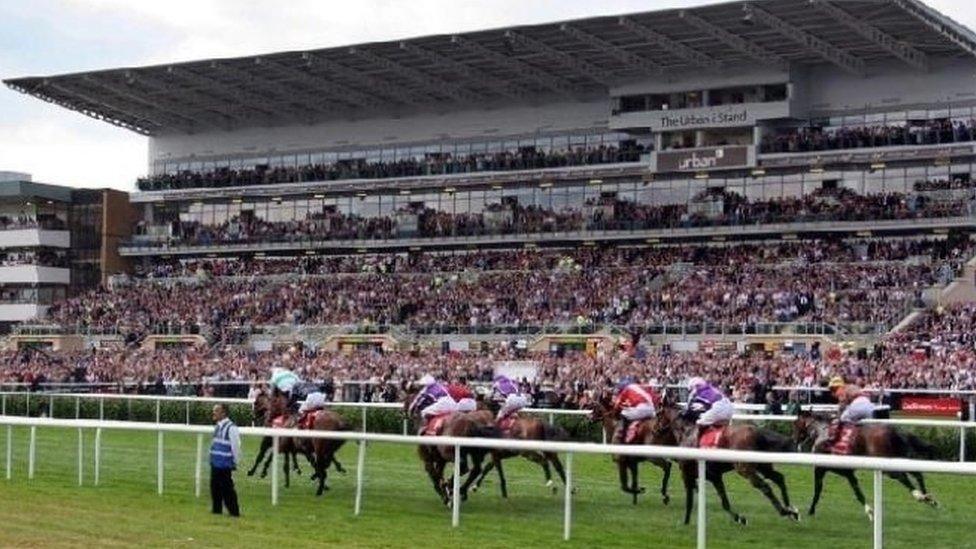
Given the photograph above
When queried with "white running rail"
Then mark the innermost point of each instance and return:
(877, 465)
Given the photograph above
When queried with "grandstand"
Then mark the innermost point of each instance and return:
(736, 188)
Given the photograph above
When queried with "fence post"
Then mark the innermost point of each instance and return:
(364, 419)
(81, 457)
(198, 466)
(878, 510)
(157, 412)
(159, 463)
(101, 408)
(360, 462)
(77, 407)
(702, 509)
(31, 452)
(27, 410)
(552, 418)
(98, 455)
(3, 411)
(456, 488)
(188, 412)
(10, 448)
(568, 504)
(962, 443)
(274, 470)
(50, 407)
(405, 421)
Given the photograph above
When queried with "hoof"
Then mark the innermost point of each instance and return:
(250, 473)
(793, 514)
(666, 499)
(474, 489)
(869, 512)
(742, 520)
(918, 495)
(550, 483)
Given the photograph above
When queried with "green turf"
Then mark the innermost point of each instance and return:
(400, 509)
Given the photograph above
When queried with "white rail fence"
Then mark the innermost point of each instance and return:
(877, 465)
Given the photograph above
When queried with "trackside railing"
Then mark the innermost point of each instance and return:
(702, 457)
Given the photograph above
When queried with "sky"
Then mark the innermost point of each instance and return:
(45, 37)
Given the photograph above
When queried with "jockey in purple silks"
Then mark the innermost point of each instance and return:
(703, 397)
(507, 393)
(432, 400)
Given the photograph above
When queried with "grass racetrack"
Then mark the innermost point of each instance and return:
(401, 510)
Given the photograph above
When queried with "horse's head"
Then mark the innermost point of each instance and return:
(261, 407)
(807, 428)
(600, 407)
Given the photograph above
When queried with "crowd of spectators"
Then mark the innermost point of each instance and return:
(816, 138)
(829, 281)
(527, 158)
(938, 351)
(617, 215)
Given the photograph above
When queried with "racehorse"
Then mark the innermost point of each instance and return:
(527, 428)
(601, 411)
(734, 437)
(871, 440)
(320, 453)
(261, 410)
(435, 458)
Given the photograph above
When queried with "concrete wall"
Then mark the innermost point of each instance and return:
(19, 312)
(32, 274)
(34, 237)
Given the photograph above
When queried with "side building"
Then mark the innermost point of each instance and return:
(54, 242)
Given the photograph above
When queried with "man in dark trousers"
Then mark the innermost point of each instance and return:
(225, 451)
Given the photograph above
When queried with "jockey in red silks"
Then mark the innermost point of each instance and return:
(433, 400)
(634, 402)
(463, 396)
(507, 394)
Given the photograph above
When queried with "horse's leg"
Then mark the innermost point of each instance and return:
(665, 466)
(265, 444)
(856, 487)
(484, 473)
(322, 459)
(779, 480)
(689, 477)
(719, 483)
(338, 466)
(287, 468)
(818, 478)
(635, 488)
(294, 460)
(540, 460)
(907, 483)
(927, 497)
(748, 472)
(267, 461)
(553, 458)
(496, 461)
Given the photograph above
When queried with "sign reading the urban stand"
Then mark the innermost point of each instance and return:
(696, 160)
(704, 119)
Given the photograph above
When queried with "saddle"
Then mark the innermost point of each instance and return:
(843, 444)
(434, 425)
(632, 431)
(280, 422)
(506, 423)
(711, 436)
(307, 421)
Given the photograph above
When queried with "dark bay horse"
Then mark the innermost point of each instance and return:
(601, 411)
(734, 437)
(435, 458)
(264, 411)
(320, 453)
(527, 428)
(873, 440)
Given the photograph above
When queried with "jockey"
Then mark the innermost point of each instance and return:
(432, 400)
(506, 392)
(284, 381)
(463, 396)
(634, 403)
(714, 407)
(853, 406)
(313, 402)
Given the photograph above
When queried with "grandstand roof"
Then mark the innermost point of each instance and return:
(572, 59)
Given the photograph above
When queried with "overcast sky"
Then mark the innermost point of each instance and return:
(44, 37)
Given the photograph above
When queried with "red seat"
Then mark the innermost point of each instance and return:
(844, 443)
(506, 423)
(434, 425)
(280, 422)
(632, 431)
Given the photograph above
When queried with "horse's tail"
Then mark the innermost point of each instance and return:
(913, 446)
(771, 441)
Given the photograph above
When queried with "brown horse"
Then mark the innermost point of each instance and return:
(734, 437)
(601, 411)
(263, 410)
(527, 428)
(320, 453)
(873, 440)
(435, 458)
